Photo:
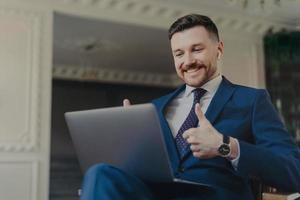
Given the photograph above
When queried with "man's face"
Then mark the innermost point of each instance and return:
(195, 54)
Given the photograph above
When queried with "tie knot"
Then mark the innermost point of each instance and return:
(198, 93)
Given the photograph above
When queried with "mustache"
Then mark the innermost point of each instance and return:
(194, 65)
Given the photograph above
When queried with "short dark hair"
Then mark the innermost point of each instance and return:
(192, 20)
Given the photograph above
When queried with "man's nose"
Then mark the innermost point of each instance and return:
(189, 60)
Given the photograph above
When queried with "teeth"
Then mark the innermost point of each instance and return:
(192, 70)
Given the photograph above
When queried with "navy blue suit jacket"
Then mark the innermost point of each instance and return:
(267, 150)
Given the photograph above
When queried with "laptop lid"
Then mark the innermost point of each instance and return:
(129, 138)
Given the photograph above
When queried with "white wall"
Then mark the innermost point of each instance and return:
(25, 65)
(243, 59)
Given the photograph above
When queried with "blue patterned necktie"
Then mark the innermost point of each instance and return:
(190, 122)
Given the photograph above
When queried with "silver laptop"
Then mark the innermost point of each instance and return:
(129, 138)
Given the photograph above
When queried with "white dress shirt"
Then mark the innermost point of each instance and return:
(179, 108)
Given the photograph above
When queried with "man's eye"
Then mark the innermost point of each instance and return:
(178, 54)
(197, 50)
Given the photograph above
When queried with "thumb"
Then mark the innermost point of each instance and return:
(199, 113)
(126, 103)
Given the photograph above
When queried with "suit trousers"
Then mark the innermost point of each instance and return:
(105, 182)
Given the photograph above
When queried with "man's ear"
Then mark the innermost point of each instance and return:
(220, 49)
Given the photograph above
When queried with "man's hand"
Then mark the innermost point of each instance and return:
(126, 103)
(204, 139)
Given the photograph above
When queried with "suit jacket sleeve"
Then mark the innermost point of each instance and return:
(274, 158)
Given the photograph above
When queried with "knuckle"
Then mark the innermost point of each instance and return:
(201, 154)
(196, 154)
(194, 148)
(192, 139)
(186, 133)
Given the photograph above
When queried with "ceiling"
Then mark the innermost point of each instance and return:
(98, 43)
(284, 11)
(85, 42)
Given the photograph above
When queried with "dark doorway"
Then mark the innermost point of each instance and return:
(65, 174)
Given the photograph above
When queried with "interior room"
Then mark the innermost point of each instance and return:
(60, 56)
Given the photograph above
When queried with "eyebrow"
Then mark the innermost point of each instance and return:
(199, 44)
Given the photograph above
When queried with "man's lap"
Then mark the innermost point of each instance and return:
(109, 182)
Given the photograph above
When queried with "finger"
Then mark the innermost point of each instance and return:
(126, 103)
(198, 154)
(195, 148)
(192, 140)
(186, 134)
(202, 155)
(199, 113)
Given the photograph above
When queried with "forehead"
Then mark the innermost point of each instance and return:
(188, 37)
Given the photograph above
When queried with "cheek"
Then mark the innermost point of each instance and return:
(178, 71)
(177, 64)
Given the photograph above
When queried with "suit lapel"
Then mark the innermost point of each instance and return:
(221, 97)
(161, 105)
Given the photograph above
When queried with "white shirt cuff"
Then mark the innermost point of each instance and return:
(235, 161)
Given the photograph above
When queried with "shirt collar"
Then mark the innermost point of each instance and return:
(211, 86)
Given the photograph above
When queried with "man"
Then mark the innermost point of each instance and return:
(239, 137)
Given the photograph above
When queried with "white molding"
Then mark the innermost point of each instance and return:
(35, 180)
(115, 76)
(28, 140)
(34, 165)
(161, 14)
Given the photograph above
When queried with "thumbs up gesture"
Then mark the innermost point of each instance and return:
(205, 139)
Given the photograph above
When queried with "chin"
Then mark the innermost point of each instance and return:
(195, 83)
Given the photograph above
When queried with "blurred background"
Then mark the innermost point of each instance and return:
(64, 55)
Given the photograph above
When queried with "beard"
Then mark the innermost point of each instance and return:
(197, 74)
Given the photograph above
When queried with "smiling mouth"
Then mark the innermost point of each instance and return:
(193, 69)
